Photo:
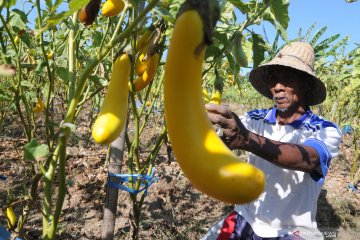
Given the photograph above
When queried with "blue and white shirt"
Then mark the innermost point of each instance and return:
(288, 204)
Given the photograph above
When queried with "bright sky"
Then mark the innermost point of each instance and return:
(338, 15)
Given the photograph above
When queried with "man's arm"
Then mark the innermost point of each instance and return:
(236, 136)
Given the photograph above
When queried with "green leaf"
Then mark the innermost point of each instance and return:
(282, 31)
(212, 51)
(280, 10)
(18, 19)
(308, 32)
(7, 3)
(40, 67)
(164, 13)
(34, 151)
(55, 6)
(243, 7)
(63, 74)
(299, 34)
(227, 12)
(317, 35)
(325, 43)
(223, 38)
(230, 59)
(355, 78)
(356, 71)
(269, 16)
(258, 49)
(48, 4)
(26, 84)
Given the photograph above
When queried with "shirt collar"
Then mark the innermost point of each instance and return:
(271, 118)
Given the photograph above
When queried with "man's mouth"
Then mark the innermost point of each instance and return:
(280, 100)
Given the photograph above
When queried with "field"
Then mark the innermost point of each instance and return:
(173, 209)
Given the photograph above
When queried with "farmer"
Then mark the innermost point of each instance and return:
(291, 144)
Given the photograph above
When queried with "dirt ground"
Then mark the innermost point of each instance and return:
(173, 209)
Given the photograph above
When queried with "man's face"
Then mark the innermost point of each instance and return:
(287, 89)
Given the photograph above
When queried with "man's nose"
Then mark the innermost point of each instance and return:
(279, 87)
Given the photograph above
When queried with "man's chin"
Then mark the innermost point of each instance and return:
(283, 110)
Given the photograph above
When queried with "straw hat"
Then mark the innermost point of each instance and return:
(297, 56)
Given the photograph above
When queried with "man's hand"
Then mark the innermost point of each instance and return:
(235, 135)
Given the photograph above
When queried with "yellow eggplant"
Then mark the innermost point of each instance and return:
(205, 160)
(39, 107)
(205, 95)
(216, 97)
(141, 82)
(113, 112)
(112, 7)
(142, 62)
(11, 217)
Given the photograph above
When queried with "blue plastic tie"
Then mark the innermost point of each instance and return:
(3, 178)
(347, 129)
(146, 180)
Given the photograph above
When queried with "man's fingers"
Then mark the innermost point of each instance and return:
(219, 109)
(216, 118)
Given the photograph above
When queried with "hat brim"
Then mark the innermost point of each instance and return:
(258, 78)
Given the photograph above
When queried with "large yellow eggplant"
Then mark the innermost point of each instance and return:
(205, 160)
(113, 112)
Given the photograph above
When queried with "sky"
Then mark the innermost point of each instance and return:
(339, 16)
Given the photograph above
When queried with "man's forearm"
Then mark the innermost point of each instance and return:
(286, 155)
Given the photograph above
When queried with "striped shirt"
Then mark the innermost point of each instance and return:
(288, 204)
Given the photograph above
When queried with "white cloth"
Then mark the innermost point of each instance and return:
(288, 204)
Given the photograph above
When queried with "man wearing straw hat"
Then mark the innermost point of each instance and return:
(291, 144)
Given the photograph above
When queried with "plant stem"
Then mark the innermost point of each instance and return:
(72, 46)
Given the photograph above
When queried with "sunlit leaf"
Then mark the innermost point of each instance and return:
(164, 13)
(269, 16)
(212, 51)
(34, 151)
(48, 4)
(325, 43)
(63, 74)
(258, 48)
(282, 31)
(7, 3)
(308, 32)
(317, 35)
(280, 9)
(243, 7)
(222, 37)
(18, 19)
(230, 59)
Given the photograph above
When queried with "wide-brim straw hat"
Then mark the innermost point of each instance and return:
(297, 56)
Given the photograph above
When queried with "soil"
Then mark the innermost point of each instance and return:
(173, 209)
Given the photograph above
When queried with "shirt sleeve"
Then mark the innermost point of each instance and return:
(246, 120)
(326, 142)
